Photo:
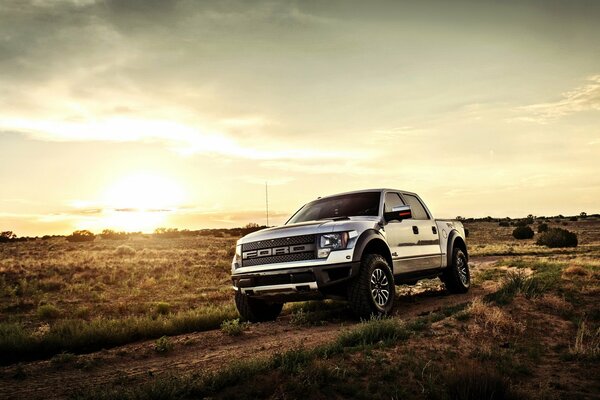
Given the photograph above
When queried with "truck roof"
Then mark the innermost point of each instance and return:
(366, 190)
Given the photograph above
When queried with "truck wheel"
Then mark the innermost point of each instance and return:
(256, 310)
(372, 292)
(457, 277)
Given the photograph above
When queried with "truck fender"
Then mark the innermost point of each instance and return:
(373, 238)
(455, 240)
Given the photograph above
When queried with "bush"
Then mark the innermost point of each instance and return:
(48, 311)
(504, 223)
(523, 232)
(542, 228)
(124, 250)
(163, 345)
(163, 308)
(557, 237)
(573, 219)
(233, 327)
(81, 236)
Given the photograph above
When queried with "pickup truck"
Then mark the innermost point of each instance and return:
(354, 246)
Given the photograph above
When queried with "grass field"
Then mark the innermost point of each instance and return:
(532, 313)
(60, 296)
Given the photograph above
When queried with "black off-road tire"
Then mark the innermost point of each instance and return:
(362, 293)
(256, 310)
(457, 277)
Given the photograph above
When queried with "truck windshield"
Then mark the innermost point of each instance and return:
(347, 205)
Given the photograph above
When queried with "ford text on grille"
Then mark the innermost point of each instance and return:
(276, 251)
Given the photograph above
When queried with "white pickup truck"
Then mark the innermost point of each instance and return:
(354, 246)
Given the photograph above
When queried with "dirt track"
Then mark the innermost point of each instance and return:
(199, 351)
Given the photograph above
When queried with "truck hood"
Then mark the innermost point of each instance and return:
(359, 224)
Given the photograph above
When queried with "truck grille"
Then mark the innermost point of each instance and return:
(279, 250)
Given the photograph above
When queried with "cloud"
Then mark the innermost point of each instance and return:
(583, 98)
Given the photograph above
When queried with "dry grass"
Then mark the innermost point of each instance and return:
(587, 342)
(493, 320)
(555, 303)
(488, 239)
(53, 291)
(112, 280)
(575, 270)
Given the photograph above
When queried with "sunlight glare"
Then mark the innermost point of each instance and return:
(141, 202)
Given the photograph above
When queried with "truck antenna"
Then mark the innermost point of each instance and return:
(267, 200)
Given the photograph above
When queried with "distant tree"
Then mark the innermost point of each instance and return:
(7, 236)
(81, 236)
(251, 225)
(583, 214)
(109, 234)
(460, 218)
(166, 233)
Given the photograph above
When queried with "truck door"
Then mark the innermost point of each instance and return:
(424, 229)
(401, 239)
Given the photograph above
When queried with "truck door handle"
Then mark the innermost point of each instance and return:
(415, 230)
(433, 230)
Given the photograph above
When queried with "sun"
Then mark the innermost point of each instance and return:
(141, 202)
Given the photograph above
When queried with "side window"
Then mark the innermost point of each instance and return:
(392, 200)
(418, 211)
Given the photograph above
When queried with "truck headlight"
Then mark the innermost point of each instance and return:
(331, 241)
(237, 258)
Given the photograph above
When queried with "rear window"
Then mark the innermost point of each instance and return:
(347, 205)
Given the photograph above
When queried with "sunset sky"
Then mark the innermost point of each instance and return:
(138, 114)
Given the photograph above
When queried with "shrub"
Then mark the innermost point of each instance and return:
(557, 237)
(523, 232)
(48, 311)
(163, 308)
(233, 327)
(542, 228)
(163, 345)
(124, 250)
(573, 219)
(504, 223)
(81, 236)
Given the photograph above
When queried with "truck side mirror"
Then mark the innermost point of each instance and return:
(398, 213)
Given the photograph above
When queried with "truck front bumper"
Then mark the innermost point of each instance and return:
(292, 284)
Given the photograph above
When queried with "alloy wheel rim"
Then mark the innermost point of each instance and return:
(380, 291)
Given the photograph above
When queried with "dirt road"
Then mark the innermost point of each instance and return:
(201, 351)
